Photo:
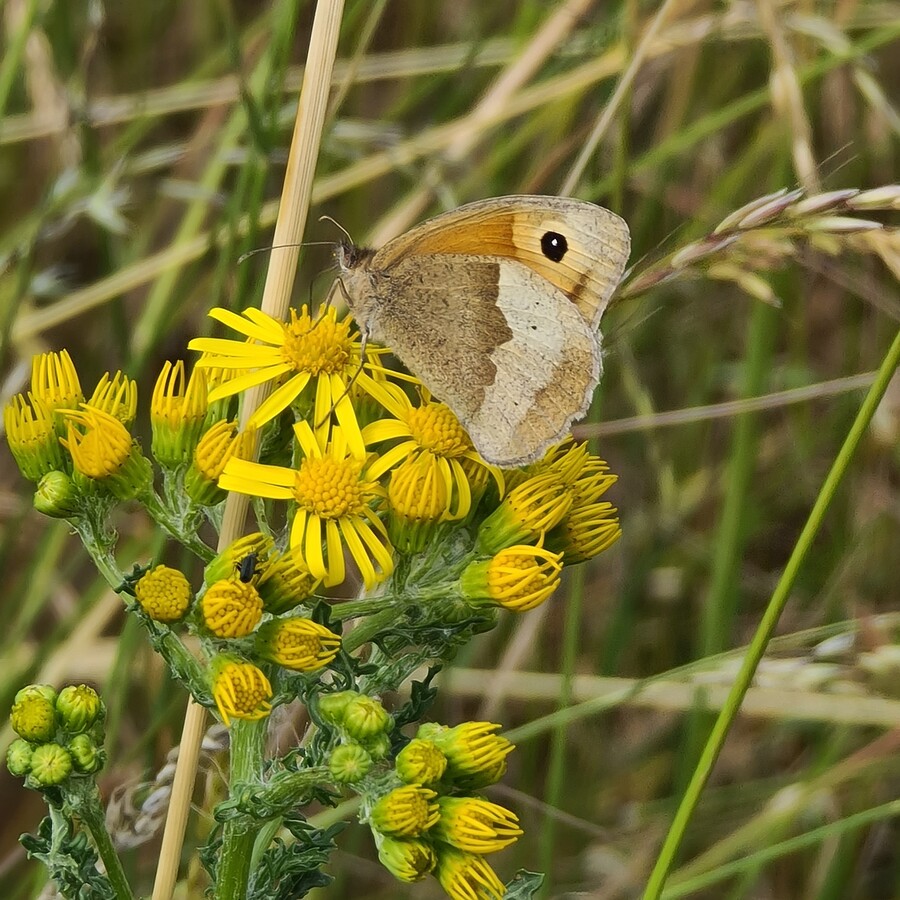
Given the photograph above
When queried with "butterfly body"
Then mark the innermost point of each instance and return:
(494, 307)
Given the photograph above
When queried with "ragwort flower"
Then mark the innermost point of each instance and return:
(475, 825)
(428, 430)
(32, 437)
(467, 876)
(103, 450)
(334, 499)
(54, 381)
(306, 348)
(240, 689)
(518, 578)
(177, 413)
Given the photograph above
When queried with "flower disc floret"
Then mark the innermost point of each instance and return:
(164, 594)
(297, 643)
(32, 437)
(407, 811)
(240, 689)
(475, 825)
(231, 608)
(420, 762)
(467, 876)
(407, 860)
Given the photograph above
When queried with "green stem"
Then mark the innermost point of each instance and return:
(87, 805)
(766, 627)
(174, 525)
(247, 748)
(365, 631)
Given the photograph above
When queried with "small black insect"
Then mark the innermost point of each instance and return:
(246, 568)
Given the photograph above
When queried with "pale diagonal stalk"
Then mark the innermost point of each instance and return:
(766, 628)
(289, 229)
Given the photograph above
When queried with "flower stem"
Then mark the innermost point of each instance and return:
(766, 627)
(87, 804)
(247, 747)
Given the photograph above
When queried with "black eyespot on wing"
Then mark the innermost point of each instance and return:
(554, 245)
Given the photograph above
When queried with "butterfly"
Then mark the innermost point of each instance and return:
(495, 308)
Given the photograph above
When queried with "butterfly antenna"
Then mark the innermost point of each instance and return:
(338, 226)
(245, 256)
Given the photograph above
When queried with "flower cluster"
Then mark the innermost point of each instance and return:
(60, 735)
(424, 816)
(354, 473)
(246, 615)
(380, 471)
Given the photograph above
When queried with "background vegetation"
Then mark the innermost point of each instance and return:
(141, 153)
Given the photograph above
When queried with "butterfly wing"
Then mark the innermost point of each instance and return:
(580, 248)
(506, 351)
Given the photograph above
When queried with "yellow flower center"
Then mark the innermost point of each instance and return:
(164, 594)
(231, 608)
(241, 691)
(331, 488)
(433, 427)
(406, 811)
(318, 346)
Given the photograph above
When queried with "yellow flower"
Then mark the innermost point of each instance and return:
(429, 429)
(518, 578)
(164, 594)
(475, 825)
(240, 689)
(297, 643)
(285, 581)
(32, 436)
(220, 444)
(527, 511)
(418, 499)
(54, 381)
(177, 413)
(407, 811)
(334, 500)
(228, 563)
(408, 860)
(586, 532)
(116, 395)
(103, 450)
(231, 608)
(466, 876)
(475, 755)
(306, 348)
(420, 762)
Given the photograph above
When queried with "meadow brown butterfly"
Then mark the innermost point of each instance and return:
(495, 307)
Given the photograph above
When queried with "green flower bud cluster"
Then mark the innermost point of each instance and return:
(364, 725)
(423, 816)
(60, 734)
